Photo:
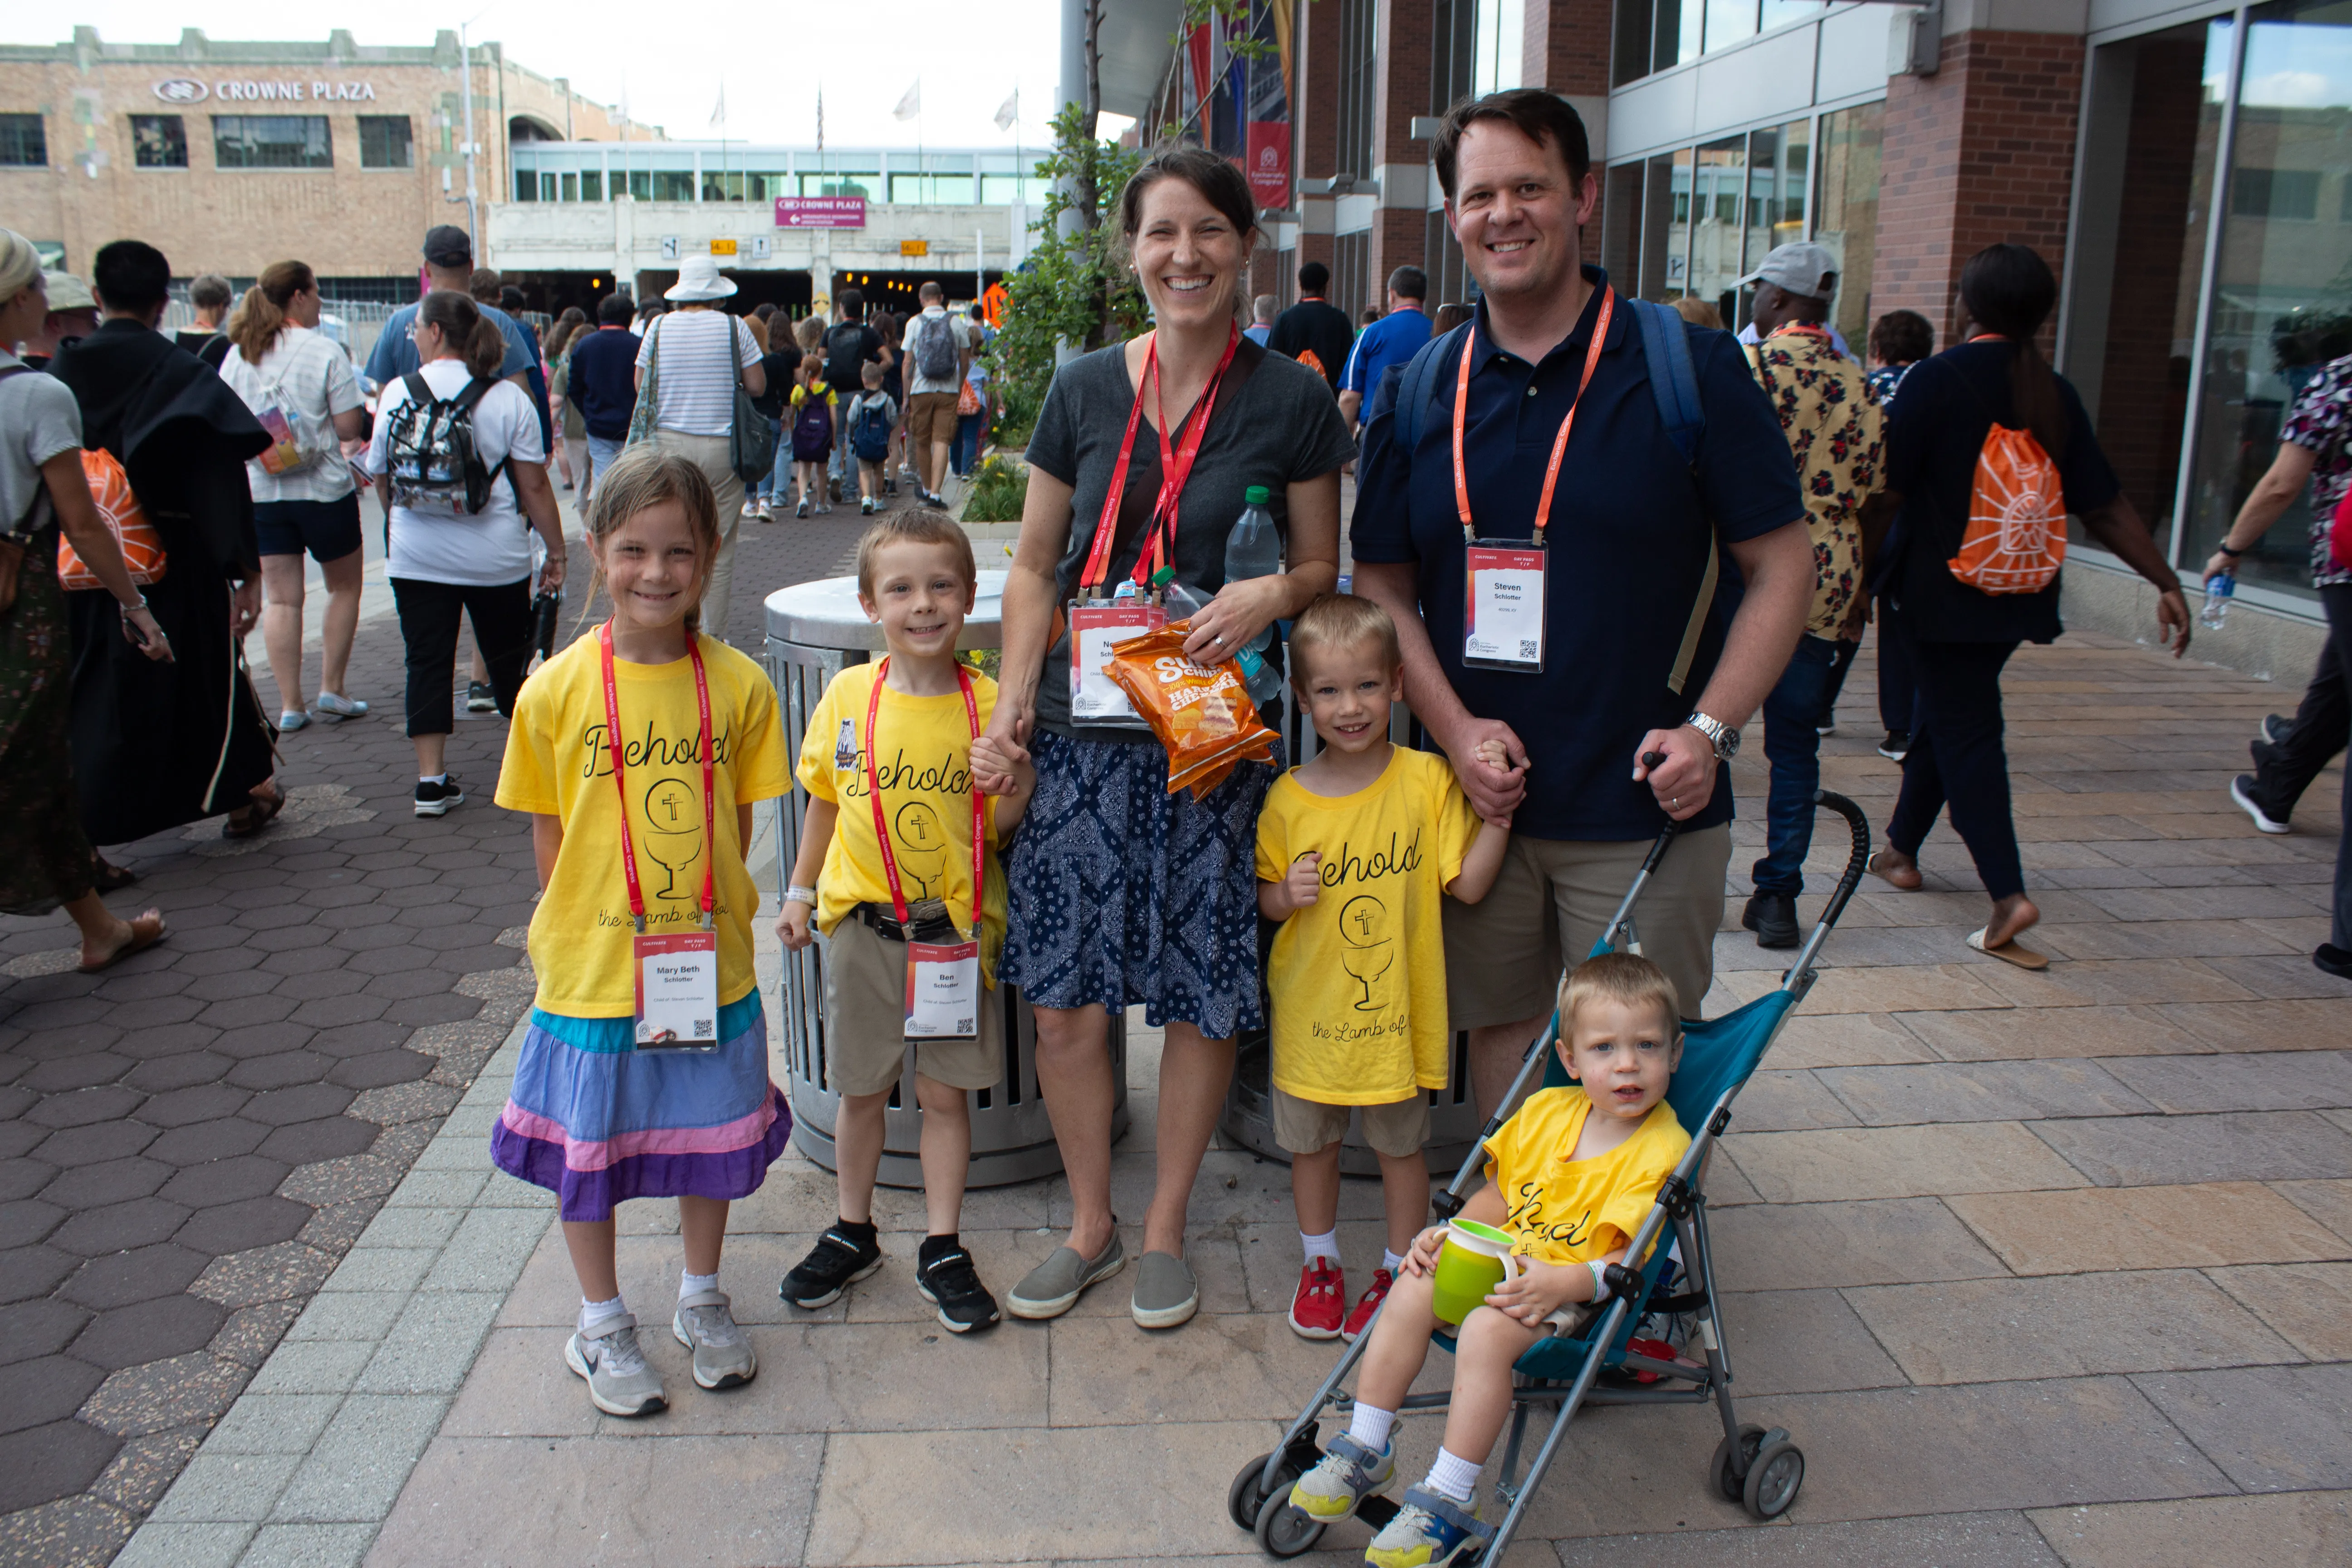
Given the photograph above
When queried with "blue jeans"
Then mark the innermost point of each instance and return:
(963, 455)
(1793, 747)
(602, 454)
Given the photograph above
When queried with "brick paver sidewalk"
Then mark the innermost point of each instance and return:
(190, 1142)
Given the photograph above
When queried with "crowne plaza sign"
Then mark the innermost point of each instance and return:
(187, 89)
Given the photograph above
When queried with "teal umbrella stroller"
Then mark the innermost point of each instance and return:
(1758, 1469)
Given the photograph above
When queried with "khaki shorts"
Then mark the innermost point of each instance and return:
(1505, 954)
(865, 1021)
(931, 416)
(1307, 1127)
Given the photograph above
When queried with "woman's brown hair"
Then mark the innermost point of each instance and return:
(645, 476)
(569, 325)
(466, 329)
(260, 316)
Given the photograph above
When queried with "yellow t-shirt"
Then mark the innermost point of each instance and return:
(1358, 977)
(559, 763)
(802, 394)
(1573, 1211)
(925, 766)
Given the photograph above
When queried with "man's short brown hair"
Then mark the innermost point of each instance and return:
(1341, 621)
(1543, 118)
(483, 286)
(916, 525)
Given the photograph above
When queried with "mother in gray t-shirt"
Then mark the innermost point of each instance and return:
(1120, 892)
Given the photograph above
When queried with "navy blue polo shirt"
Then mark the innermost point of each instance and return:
(1628, 541)
(1394, 339)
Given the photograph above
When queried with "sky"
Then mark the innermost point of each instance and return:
(770, 59)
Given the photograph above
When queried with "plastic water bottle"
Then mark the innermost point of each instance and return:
(1183, 603)
(2220, 589)
(1253, 549)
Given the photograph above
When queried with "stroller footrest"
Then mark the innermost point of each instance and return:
(1377, 1511)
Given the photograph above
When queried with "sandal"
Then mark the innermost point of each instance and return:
(112, 878)
(1876, 867)
(137, 944)
(258, 815)
(2008, 952)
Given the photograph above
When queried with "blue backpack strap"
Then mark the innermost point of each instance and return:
(1417, 391)
(1674, 381)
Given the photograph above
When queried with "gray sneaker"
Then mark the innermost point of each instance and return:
(722, 1352)
(1349, 1473)
(620, 1381)
(1165, 1292)
(1053, 1288)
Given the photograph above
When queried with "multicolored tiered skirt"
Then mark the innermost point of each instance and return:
(597, 1122)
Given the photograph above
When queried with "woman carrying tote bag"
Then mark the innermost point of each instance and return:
(689, 369)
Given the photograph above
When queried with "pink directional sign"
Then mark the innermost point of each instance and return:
(819, 212)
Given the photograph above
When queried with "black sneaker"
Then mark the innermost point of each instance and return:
(1896, 747)
(478, 696)
(950, 1283)
(835, 1263)
(1773, 917)
(2277, 728)
(2243, 792)
(436, 799)
(2330, 959)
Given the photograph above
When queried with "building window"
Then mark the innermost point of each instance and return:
(1351, 260)
(546, 187)
(1652, 34)
(1845, 209)
(673, 185)
(592, 184)
(2274, 194)
(385, 143)
(159, 140)
(841, 182)
(22, 142)
(272, 141)
(526, 184)
(1358, 79)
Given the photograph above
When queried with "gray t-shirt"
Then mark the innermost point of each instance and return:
(40, 419)
(1275, 424)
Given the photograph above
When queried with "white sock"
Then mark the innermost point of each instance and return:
(694, 1284)
(1371, 1426)
(1393, 1262)
(1326, 1246)
(433, 778)
(595, 1312)
(1452, 1475)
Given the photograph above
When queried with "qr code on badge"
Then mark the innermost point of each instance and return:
(1526, 647)
(963, 1027)
(702, 1029)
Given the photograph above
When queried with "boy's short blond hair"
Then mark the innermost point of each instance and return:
(916, 525)
(1623, 977)
(1341, 621)
(870, 373)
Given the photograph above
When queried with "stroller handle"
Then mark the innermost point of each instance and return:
(1859, 826)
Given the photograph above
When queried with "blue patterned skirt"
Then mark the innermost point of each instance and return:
(1122, 893)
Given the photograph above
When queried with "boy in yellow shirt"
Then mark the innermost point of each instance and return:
(1570, 1177)
(1355, 851)
(910, 951)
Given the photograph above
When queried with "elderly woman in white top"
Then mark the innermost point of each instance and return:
(695, 352)
(304, 497)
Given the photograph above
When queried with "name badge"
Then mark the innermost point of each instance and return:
(942, 991)
(1503, 621)
(678, 991)
(1095, 698)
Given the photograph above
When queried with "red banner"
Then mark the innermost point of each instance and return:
(1268, 163)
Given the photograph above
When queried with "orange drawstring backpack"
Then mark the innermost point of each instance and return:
(2016, 537)
(143, 547)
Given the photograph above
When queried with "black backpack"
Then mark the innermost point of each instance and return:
(844, 352)
(431, 457)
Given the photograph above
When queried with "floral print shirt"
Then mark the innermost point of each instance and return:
(1837, 433)
(2322, 420)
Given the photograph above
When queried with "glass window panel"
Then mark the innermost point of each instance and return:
(1717, 232)
(1845, 211)
(1776, 196)
(641, 185)
(999, 190)
(673, 185)
(23, 143)
(842, 183)
(546, 187)
(1630, 54)
(1727, 22)
(1621, 227)
(1778, 13)
(526, 185)
(386, 142)
(2282, 299)
(592, 184)
(272, 141)
(1681, 29)
(159, 140)
(571, 189)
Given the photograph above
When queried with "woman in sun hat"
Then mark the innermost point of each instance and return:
(692, 355)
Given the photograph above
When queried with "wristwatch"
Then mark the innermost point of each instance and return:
(1724, 738)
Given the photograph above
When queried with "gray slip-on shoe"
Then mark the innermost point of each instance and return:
(1053, 1288)
(1166, 1294)
(705, 1324)
(621, 1381)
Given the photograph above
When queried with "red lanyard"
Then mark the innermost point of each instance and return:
(1175, 467)
(1559, 442)
(874, 794)
(710, 782)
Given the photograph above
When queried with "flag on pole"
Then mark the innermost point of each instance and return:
(820, 119)
(912, 104)
(1009, 111)
(719, 112)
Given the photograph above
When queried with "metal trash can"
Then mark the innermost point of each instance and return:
(815, 630)
(1248, 1118)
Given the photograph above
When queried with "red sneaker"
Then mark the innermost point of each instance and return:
(1359, 1320)
(1322, 1301)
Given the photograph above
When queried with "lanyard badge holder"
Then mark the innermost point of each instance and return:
(1096, 624)
(677, 972)
(942, 977)
(1504, 578)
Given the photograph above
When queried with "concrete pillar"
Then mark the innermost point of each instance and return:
(1401, 222)
(1313, 112)
(1978, 153)
(1565, 48)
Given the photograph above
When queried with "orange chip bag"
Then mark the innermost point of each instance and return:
(1202, 714)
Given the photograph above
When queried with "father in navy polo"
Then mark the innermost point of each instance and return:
(1642, 652)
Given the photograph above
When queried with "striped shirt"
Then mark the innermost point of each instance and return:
(696, 385)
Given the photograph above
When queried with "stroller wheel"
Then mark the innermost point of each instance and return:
(1730, 1485)
(1244, 1500)
(1778, 1471)
(1284, 1531)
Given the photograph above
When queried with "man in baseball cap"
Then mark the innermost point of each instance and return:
(73, 315)
(449, 247)
(1802, 268)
